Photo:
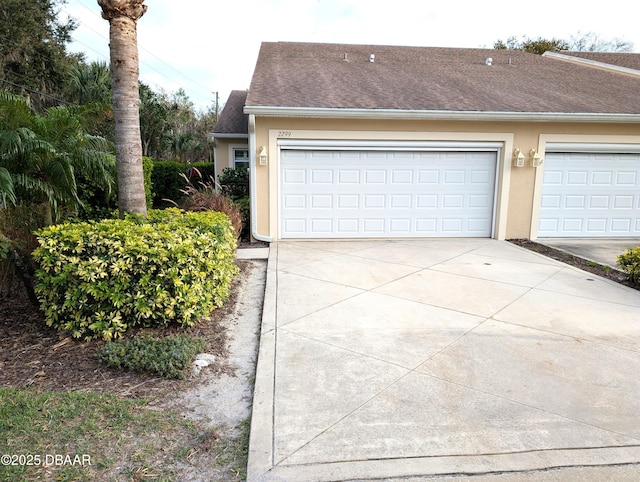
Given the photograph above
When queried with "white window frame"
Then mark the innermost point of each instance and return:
(233, 161)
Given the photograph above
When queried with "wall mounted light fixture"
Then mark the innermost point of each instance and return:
(536, 159)
(263, 156)
(518, 158)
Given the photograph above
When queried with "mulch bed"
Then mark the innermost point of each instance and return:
(36, 356)
(583, 264)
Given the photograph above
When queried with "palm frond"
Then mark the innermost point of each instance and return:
(7, 193)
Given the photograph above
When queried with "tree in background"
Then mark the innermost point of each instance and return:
(42, 156)
(123, 16)
(537, 46)
(155, 123)
(90, 85)
(33, 56)
(172, 129)
(592, 42)
(581, 42)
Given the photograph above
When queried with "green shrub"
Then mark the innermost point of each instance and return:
(6, 264)
(96, 279)
(17, 225)
(206, 169)
(630, 264)
(167, 356)
(167, 182)
(147, 167)
(234, 182)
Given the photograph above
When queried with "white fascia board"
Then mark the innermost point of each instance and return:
(592, 63)
(338, 113)
(216, 135)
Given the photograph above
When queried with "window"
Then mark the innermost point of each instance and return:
(241, 158)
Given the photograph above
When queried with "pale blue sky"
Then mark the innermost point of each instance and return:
(205, 46)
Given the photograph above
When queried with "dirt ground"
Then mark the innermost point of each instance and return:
(34, 355)
(583, 264)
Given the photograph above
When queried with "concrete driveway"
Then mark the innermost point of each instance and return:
(416, 359)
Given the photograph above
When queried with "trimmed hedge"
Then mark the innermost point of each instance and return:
(168, 181)
(147, 167)
(97, 279)
(630, 264)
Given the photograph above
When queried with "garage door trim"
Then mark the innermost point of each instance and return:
(595, 148)
(391, 146)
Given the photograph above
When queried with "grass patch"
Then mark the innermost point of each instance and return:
(232, 452)
(85, 436)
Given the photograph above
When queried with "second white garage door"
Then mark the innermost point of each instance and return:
(590, 195)
(366, 194)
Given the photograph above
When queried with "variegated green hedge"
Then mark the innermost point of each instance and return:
(97, 279)
(630, 264)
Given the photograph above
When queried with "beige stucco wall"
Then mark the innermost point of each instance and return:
(224, 154)
(517, 208)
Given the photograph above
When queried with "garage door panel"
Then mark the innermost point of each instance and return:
(348, 201)
(627, 179)
(401, 176)
(602, 178)
(401, 201)
(348, 176)
(587, 195)
(294, 176)
(348, 226)
(599, 202)
(623, 202)
(295, 201)
(428, 177)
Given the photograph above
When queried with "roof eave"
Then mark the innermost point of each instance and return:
(225, 135)
(400, 114)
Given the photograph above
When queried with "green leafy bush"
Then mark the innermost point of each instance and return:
(168, 180)
(6, 264)
(630, 263)
(147, 167)
(207, 170)
(167, 356)
(234, 182)
(97, 279)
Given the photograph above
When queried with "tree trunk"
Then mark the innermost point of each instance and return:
(122, 16)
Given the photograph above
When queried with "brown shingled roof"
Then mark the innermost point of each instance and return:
(308, 75)
(232, 119)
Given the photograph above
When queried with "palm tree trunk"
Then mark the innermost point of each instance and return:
(123, 16)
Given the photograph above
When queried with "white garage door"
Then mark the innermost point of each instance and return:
(365, 194)
(590, 195)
